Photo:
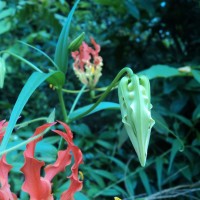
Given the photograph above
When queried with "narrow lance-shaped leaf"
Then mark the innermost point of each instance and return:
(61, 53)
(35, 80)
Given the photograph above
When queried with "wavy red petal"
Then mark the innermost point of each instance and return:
(5, 193)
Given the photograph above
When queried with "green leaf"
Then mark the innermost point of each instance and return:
(176, 146)
(61, 53)
(40, 51)
(196, 113)
(34, 81)
(51, 117)
(101, 106)
(23, 60)
(130, 186)
(80, 196)
(5, 26)
(7, 12)
(183, 119)
(105, 174)
(160, 71)
(160, 124)
(196, 74)
(145, 180)
(159, 171)
(132, 9)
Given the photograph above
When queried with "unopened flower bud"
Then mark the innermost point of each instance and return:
(134, 99)
(76, 43)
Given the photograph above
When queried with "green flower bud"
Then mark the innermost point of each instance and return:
(134, 99)
(76, 43)
(2, 71)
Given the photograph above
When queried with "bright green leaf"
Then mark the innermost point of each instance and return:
(101, 106)
(160, 71)
(34, 81)
(61, 53)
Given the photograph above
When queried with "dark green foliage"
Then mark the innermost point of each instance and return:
(160, 35)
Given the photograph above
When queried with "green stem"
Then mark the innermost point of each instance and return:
(24, 143)
(113, 84)
(62, 104)
(74, 91)
(64, 112)
(77, 99)
(31, 121)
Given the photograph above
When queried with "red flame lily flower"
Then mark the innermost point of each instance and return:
(88, 64)
(40, 188)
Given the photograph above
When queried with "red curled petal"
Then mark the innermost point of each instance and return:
(37, 187)
(5, 193)
(75, 184)
(3, 125)
(64, 159)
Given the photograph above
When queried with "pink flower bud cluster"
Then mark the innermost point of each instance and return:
(88, 64)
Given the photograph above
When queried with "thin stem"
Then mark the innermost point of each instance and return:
(62, 104)
(124, 70)
(64, 112)
(74, 91)
(24, 143)
(31, 121)
(77, 99)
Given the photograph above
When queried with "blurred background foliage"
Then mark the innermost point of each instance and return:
(134, 33)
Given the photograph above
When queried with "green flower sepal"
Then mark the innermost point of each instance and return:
(134, 99)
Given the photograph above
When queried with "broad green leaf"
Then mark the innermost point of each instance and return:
(160, 71)
(159, 171)
(2, 5)
(34, 81)
(101, 106)
(7, 12)
(145, 181)
(61, 53)
(5, 26)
